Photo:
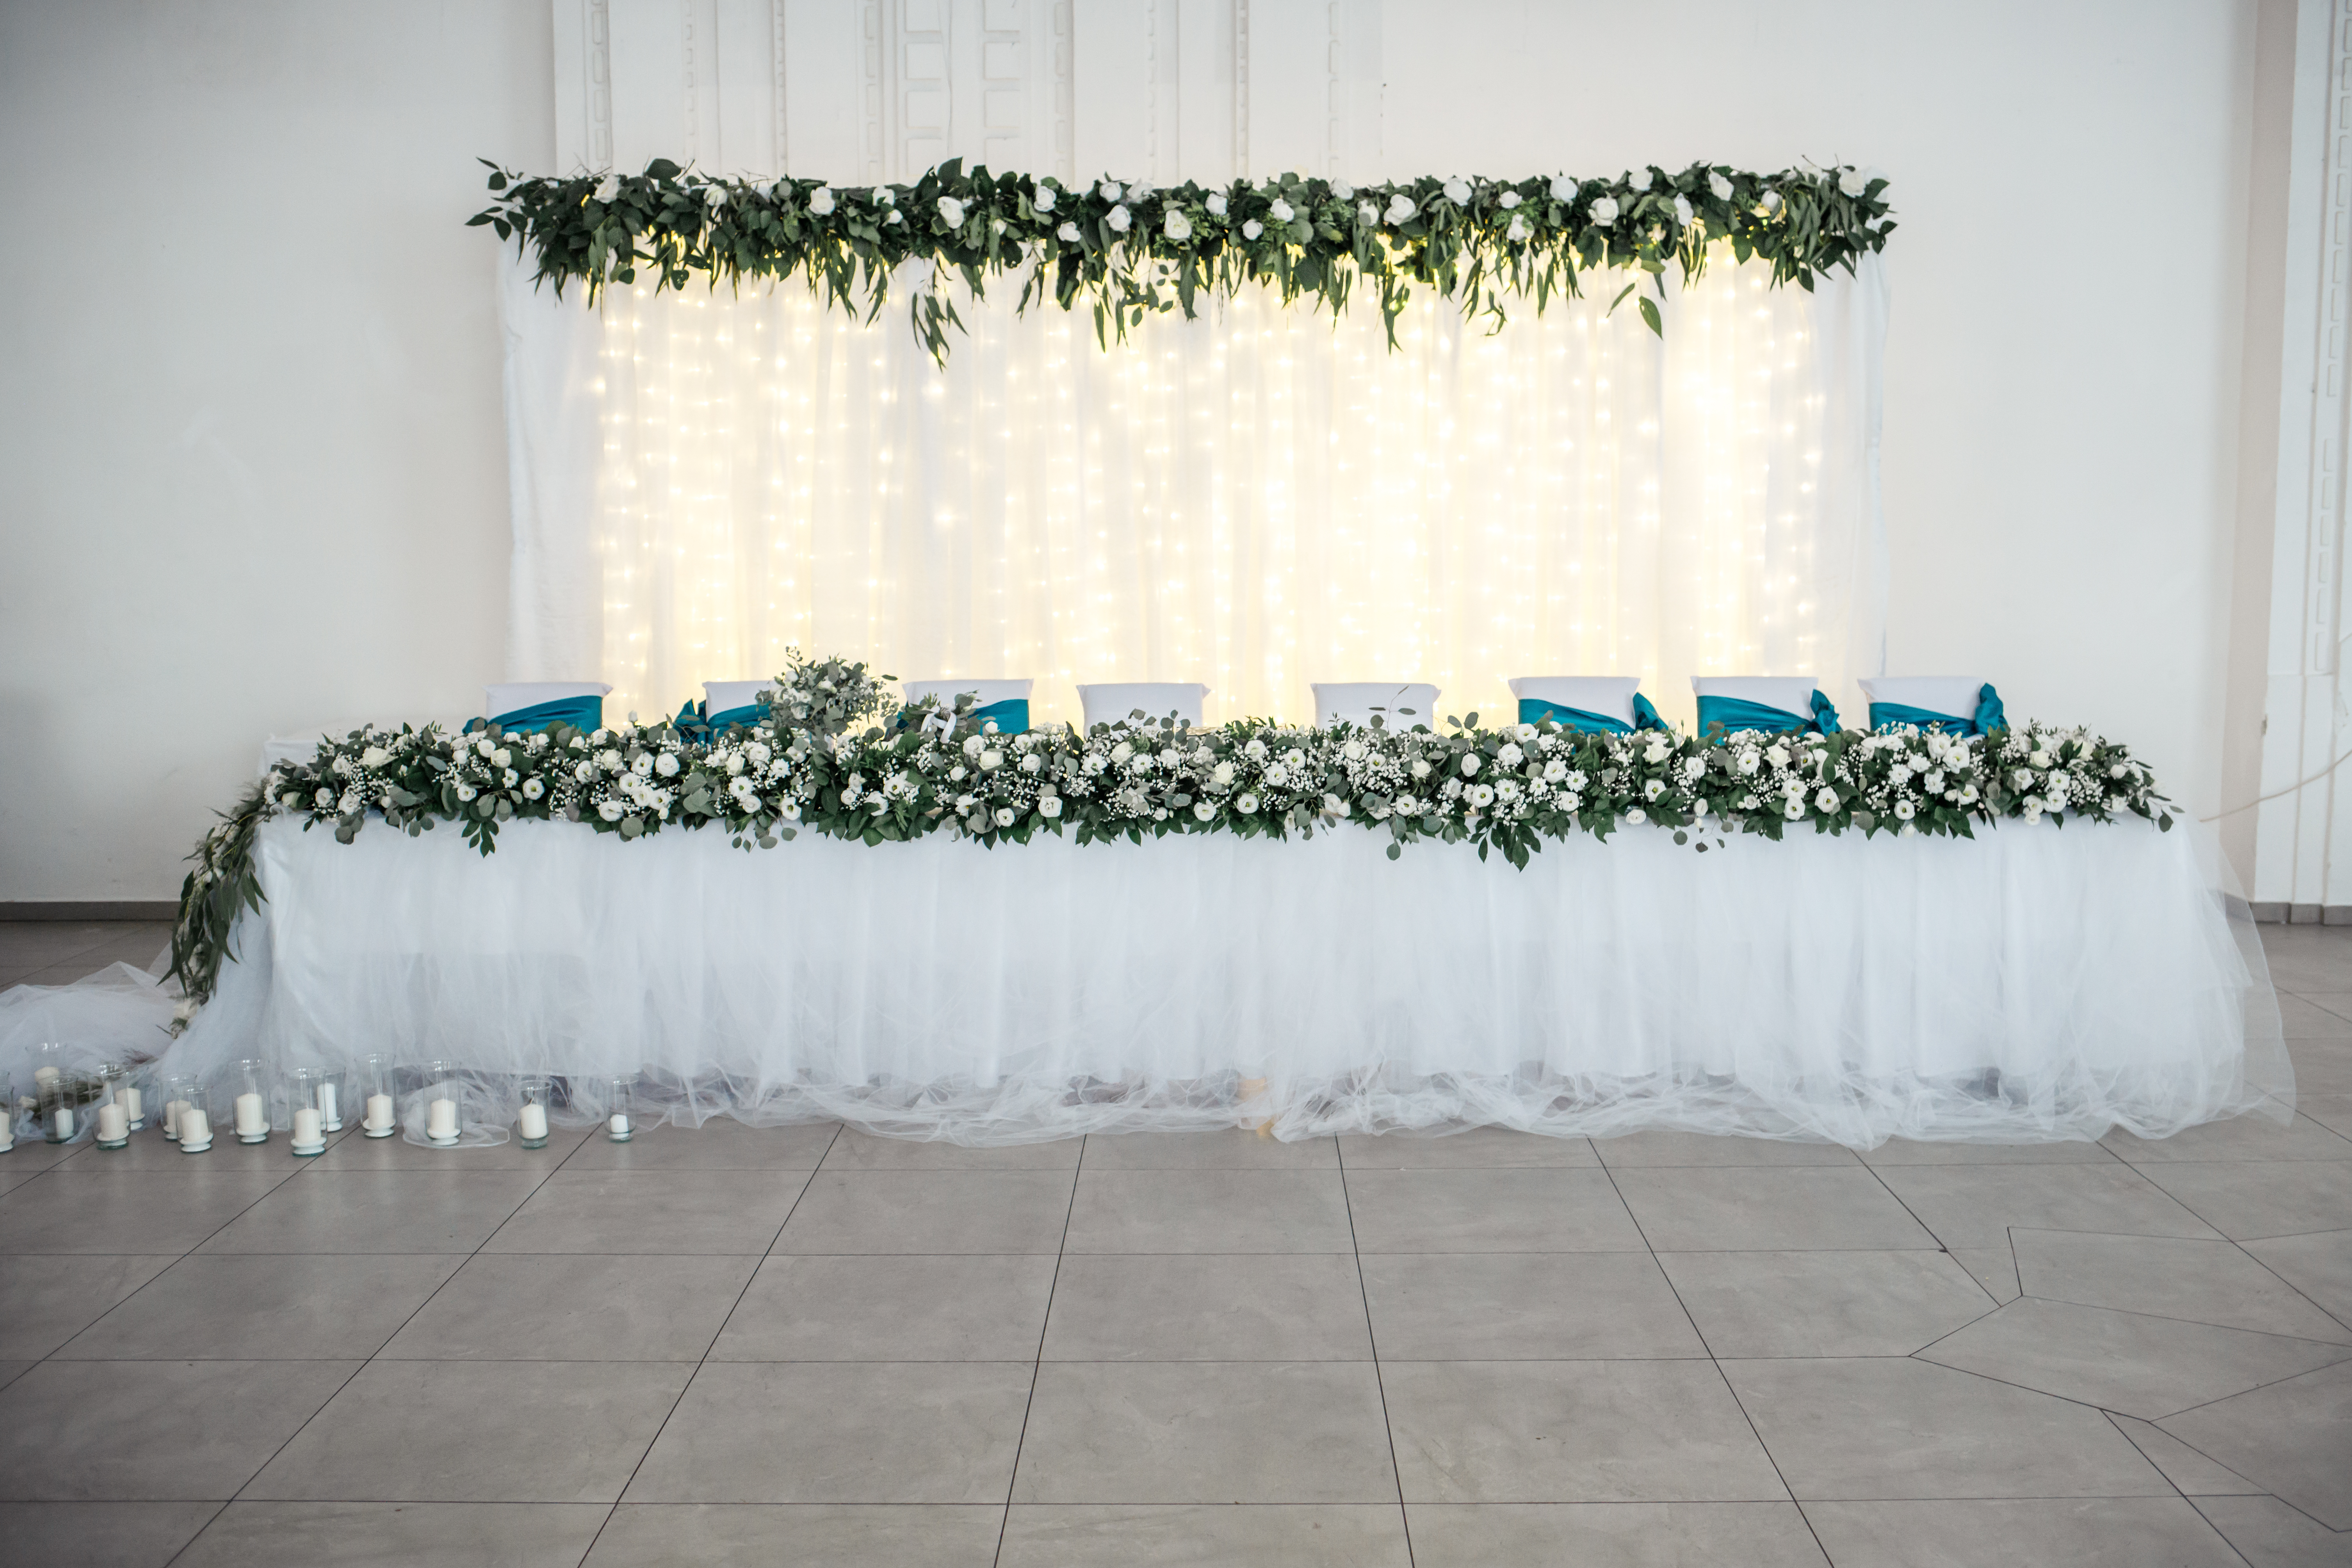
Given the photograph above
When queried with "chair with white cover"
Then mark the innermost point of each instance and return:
(1962, 705)
(1400, 705)
(1782, 703)
(531, 705)
(725, 702)
(1608, 704)
(1117, 702)
(1004, 703)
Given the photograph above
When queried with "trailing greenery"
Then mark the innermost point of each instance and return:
(816, 761)
(1129, 248)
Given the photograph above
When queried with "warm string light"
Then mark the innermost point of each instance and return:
(1256, 499)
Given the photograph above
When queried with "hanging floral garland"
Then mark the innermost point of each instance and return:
(1133, 247)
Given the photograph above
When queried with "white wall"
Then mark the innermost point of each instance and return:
(249, 405)
(259, 472)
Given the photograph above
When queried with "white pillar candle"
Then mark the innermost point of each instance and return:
(379, 1116)
(171, 1109)
(532, 1122)
(441, 1119)
(195, 1128)
(133, 1108)
(619, 1126)
(7, 1129)
(113, 1124)
(307, 1131)
(65, 1123)
(331, 1118)
(45, 1076)
(252, 1119)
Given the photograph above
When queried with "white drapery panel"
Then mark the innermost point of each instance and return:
(1255, 500)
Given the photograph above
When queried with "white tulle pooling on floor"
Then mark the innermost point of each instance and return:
(2038, 983)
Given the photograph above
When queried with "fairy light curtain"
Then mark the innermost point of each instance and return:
(1256, 499)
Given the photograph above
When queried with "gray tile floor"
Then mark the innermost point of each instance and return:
(808, 1346)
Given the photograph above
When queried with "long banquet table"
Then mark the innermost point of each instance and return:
(2038, 981)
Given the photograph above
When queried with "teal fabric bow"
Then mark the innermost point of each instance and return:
(1535, 710)
(1989, 716)
(1011, 715)
(584, 713)
(1737, 713)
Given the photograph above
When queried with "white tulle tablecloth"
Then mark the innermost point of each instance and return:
(2036, 982)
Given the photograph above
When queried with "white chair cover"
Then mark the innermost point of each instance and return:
(1610, 696)
(1788, 693)
(723, 696)
(1355, 701)
(1947, 694)
(983, 692)
(507, 699)
(1111, 704)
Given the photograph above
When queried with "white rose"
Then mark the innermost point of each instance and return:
(1401, 208)
(643, 765)
(1049, 807)
(1826, 800)
(2039, 759)
(896, 216)
(1510, 756)
(881, 195)
(1178, 227)
(1457, 190)
(1254, 750)
(1283, 212)
(1044, 200)
(609, 810)
(1469, 765)
(1769, 201)
(1694, 767)
(1720, 187)
(325, 798)
(1003, 816)
(1367, 214)
(1343, 190)
(485, 747)
(952, 210)
(1636, 815)
(1067, 234)
(714, 196)
(1681, 209)
(1245, 803)
(609, 190)
(1120, 220)
(1252, 229)
(374, 757)
(1109, 192)
(501, 758)
(1121, 752)
(821, 201)
(1419, 768)
(973, 745)
(1640, 181)
(990, 760)
(1203, 811)
(1507, 200)
(1656, 752)
(1563, 188)
(1354, 751)
(1604, 211)
(1519, 229)
(1555, 770)
(1853, 182)
(667, 764)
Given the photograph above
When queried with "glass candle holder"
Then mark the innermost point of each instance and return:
(445, 1100)
(113, 1087)
(309, 1127)
(327, 1099)
(620, 1107)
(179, 1091)
(8, 1113)
(131, 1093)
(249, 1092)
(380, 1118)
(530, 1120)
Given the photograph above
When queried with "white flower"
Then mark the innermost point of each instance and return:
(1796, 812)
(1510, 756)
(1282, 211)
(325, 798)
(1120, 220)
(1681, 209)
(1276, 776)
(1563, 188)
(1826, 800)
(1470, 764)
(465, 792)
(1178, 227)
(1044, 200)
(609, 810)
(1555, 770)
(1215, 204)
(1367, 214)
(485, 746)
(714, 196)
(1694, 767)
(1109, 192)
(1457, 190)
(1221, 775)
(1354, 751)
(1343, 190)
(1121, 752)
(532, 789)
(1245, 803)
(1049, 807)
(667, 764)
(1653, 789)
(1720, 187)
(1656, 752)
(643, 765)
(1252, 229)
(1031, 763)
(1777, 755)
(1636, 815)
(1480, 797)
(1067, 234)
(990, 760)
(821, 201)
(1203, 811)
(501, 758)
(1519, 229)
(2039, 759)
(1419, 768)
(1401, 208)
(1853, 182)
(790, 811)
(1640, 181)
(1003, 816)
(1604, 211)
(952, 210)
(509, 778)
(896, 216)
(1769, 201)
(1905, 811)
(609, 189)
(881, 195)
(1507, 200)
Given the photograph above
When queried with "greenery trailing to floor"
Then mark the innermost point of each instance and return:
(1128, 247)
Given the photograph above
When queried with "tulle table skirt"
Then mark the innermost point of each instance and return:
(2036, 982)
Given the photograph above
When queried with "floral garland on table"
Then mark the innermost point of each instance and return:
(1133, 247)
(808, 764)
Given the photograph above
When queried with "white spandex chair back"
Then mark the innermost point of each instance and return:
(1610, 696)
(1947, 694)
(1113, 703)
(725, 696)
(1792, 694)
(520, 694)
(1400, 705)
(983, 692)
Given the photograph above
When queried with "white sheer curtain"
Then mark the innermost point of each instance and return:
(1255, 500)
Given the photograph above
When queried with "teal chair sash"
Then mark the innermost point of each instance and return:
(1010, 716)
(1535, 710)
(1737, 713)
(582, 714)
(1989, 716)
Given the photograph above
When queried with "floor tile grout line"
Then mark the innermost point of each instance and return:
(1037, 1367)
(364, 1363)
(2113, 1419)
(808, 1181)
(1380, 1378)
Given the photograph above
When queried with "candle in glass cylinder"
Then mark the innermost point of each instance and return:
(61, 1124)
(114, 1127)
(441, 1122)
(532, 1122)
(309, 1138)
(331, 1116)
(134, 1112)
(195, 1130)
(171, 1109)
(619, 1127)
(379, 1115)
(252, 1119)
